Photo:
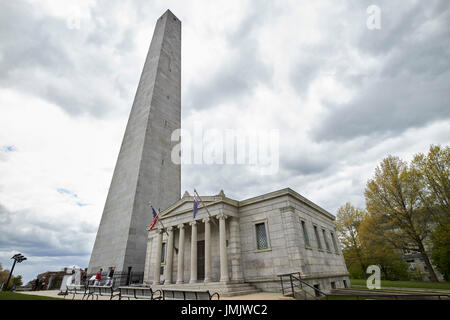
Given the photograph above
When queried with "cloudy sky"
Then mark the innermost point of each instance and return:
(342, 96)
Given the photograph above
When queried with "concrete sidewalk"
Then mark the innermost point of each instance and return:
(253, 296)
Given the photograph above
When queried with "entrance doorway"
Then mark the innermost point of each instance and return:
(201, 260)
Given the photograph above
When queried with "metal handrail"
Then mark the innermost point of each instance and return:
(292, 277)
(302, 282)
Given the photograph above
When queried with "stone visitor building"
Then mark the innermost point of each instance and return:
(243, 245)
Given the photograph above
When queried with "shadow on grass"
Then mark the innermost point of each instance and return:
(7, 295)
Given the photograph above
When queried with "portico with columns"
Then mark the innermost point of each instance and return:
(242, 243)
(200, 250)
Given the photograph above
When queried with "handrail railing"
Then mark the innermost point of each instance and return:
(295, 277)
(301, 282)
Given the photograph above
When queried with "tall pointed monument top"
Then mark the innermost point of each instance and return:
(169, 13)
(144, 169)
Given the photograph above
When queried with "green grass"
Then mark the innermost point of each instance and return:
(7, 295)
(406, 284)
(353, 298)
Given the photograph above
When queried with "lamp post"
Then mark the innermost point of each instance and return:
(17, 258)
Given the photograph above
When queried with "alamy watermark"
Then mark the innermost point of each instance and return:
(374, 280)
(258, 149)
(373, 21)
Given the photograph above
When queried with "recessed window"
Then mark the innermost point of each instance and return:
(261, 236)
(334, 242)
(305, 234)
(325, 239)
(319, 244)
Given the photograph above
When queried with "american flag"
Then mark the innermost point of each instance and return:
(195, 205)
(155, 219)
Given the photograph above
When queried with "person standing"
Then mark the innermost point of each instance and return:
(98, 277)
(83, 278)
(110, 277)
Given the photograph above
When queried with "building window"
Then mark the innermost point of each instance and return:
(325, 239)
(334, 242)
(261, 236)
(345, 283)
(163, 252)
(319, 244)
(305, 234)
(333, 285)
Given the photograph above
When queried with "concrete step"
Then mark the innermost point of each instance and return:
(239, 293)
(224, 289)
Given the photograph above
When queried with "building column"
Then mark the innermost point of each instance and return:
(193, 278)
(169, 262)
(207, 249)
(157, 271)
(180, 269)
(223, 248)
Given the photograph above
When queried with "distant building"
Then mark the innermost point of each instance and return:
(50, 280)
(417, 267)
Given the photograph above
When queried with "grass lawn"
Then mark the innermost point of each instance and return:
(7, 295)
(406, 284)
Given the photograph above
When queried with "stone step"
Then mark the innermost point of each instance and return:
(239, 293)
(224, 289)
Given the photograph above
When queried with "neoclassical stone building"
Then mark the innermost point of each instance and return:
(244, 244)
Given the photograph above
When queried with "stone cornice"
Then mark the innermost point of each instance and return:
(285, 192)
(210, 201)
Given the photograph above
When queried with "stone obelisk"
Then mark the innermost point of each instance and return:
(144, 170)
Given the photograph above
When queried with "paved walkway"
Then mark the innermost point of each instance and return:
(253, 296)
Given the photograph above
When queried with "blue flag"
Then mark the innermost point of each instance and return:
(195, 205)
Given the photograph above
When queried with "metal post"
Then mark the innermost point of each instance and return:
(9, 277)
(292, 286)
(204, 206)
(282, 288)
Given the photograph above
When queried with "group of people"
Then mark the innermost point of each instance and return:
(109, 278)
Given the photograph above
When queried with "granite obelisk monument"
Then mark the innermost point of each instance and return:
(144, 170)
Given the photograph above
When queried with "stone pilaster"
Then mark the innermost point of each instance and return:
(207, 249)
(180, 268)
(235, 250)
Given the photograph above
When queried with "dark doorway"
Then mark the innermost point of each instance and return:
(201, 260)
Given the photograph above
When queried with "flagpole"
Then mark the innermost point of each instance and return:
(204, 206)
(159, 210)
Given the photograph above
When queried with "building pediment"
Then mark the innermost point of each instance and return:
(186, 204)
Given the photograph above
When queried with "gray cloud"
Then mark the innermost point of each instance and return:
(410, 89)
(26, 231)
(38, 55)
(242, 71)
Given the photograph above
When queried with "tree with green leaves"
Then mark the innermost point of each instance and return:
(394, 200)
(433, 171)
(348, 221)
(381, 253)
(440, 254)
